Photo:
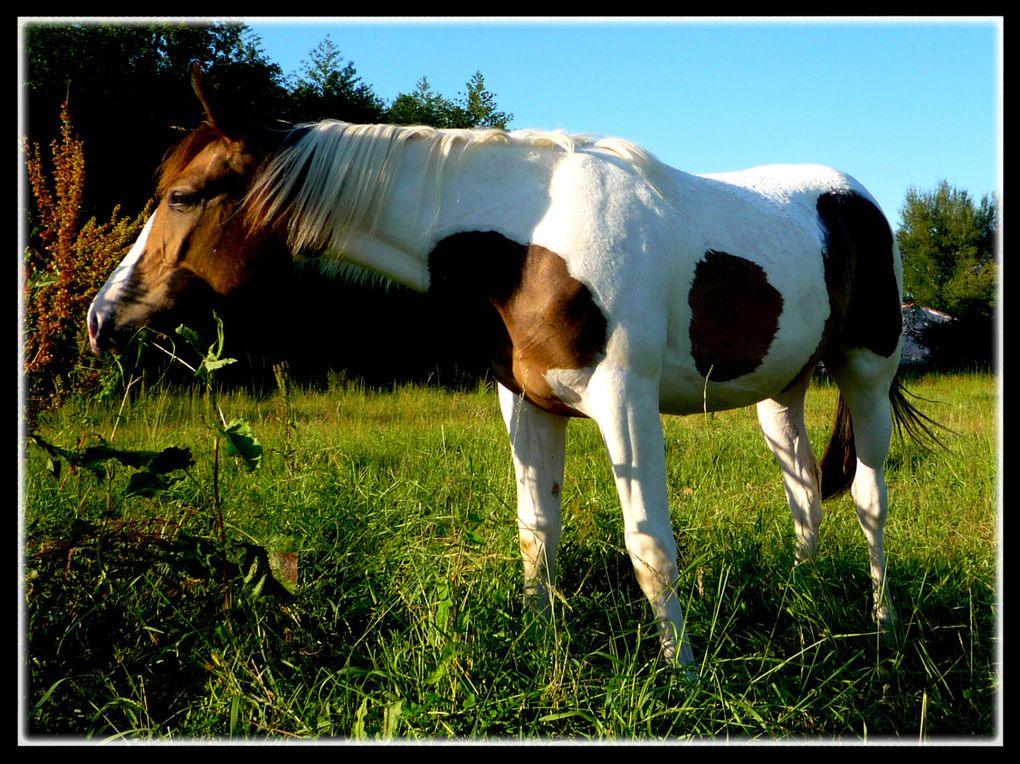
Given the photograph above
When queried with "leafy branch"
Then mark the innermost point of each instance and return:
(153, 467)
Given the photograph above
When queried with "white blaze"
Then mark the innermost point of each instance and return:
(104, 302)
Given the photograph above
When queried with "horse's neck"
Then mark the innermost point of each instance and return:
(392, 260)
(489, 187)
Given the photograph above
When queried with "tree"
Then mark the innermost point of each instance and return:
(329, 88)
(948, 242)
(129, 88)
(424, 106)
(948, 247)
(480, 104)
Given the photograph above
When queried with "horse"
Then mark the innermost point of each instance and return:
(606, 284)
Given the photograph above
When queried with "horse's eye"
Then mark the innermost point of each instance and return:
(181, 200)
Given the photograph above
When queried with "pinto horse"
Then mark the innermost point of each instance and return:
(607, 285)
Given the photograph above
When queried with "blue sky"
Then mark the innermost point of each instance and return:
(896, 104)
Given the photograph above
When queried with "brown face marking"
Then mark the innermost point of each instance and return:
(522, 305)
(201, 253)
(206, 234)
(734, 316)
(864, 300)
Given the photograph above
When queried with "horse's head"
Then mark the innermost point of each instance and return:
(197, 252)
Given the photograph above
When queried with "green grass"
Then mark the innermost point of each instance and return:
(407, 621)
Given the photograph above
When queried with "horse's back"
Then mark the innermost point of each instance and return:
(786, 182)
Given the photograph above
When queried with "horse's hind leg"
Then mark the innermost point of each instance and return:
(864, 378)
(782, 423)
(538, 443)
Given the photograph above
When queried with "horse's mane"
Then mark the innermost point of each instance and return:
(332, 180)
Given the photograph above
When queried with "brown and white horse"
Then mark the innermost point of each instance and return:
(608, 285)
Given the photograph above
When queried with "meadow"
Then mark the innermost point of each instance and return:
(366, 582)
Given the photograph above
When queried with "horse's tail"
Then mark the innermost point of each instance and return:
(839, 464)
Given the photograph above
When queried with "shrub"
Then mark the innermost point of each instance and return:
(64, 266)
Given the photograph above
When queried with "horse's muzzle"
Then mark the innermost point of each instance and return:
(97, 336)
(105, 333)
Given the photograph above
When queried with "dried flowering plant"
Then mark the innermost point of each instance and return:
(64, 265)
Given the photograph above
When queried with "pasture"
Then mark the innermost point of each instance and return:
(369, 584)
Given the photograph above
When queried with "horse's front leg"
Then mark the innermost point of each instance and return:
(626, 408)
(538, 443)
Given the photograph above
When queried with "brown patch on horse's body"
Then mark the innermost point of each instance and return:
(864, 300)
(524, 306)
(865, 310)
(734, 316)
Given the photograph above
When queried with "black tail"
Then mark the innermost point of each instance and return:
(839, 464)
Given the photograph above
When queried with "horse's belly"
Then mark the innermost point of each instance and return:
(743, 330)
(682, 391)
(746, 359)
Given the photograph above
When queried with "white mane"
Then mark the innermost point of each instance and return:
(333, 180)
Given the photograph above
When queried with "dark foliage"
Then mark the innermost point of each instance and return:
(967, 342)
(128, 88)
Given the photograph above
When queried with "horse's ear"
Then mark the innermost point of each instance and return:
(227, 114)
(206, 93)
(221, 110)
(199, 88)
